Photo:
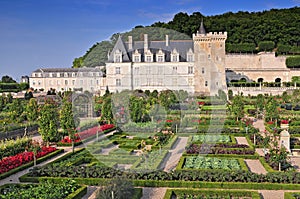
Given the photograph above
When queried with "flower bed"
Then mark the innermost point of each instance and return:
(219, 149)
(86, 134)
(199, 162)
(12, 162)
(211, 138)
(13, 147)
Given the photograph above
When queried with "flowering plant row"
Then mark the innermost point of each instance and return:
(15, 161)
(87, 133)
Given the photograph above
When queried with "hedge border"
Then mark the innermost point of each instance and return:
(236, 193)
(30, 164)
(289, 195)
(173, 184)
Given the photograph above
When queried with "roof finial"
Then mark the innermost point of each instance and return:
(202, 28)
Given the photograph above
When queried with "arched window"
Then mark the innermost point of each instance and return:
(260, 80)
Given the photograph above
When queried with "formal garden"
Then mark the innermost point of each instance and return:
(133, 141)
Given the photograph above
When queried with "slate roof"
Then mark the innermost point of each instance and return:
(182, 47)
(202, 28)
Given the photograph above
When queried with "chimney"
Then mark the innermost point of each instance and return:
(145, 43)
(167, 40)
(129, 42)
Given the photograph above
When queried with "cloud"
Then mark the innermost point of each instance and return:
(156, 16)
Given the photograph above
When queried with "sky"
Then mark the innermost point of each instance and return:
(51, 33)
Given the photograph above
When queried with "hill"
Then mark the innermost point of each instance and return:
(275, 29)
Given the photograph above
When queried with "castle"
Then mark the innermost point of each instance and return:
(198, 66)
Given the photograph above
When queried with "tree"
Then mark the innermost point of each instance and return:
(67, 120)
(48, 121)
(167, 98)
(32, 110)
(7, 79)
(272, 112)
(106, 112)
(260, 103)
(237, 107)
(117, 188)
(15, 110)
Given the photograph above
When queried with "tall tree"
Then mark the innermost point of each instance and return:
(32, 110)
(48, 121)
(67, 120)
(237, 107)
(272, 112)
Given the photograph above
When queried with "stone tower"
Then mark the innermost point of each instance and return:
(209, 49)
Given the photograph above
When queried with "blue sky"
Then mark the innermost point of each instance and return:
(51, 33)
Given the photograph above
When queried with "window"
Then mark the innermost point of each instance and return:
(174, 69)
(117, 58)
(190, 58)
(118, 70)
(58, 82)
(58, 74)
(160, 58)
(136, 58)
(202, 70)
(33, 83)
(190, 81)
(73, 75)
(118, 82)
(39, 75)
(160, 70)
(73, 82)
(174, 58)
(209, 45)
(97, 81)
(174, 81)
(221, 45)
(66, 82)
(136, 82)
(206, 83)
(148, 58)
(190, 70)
(81, 82)
(148, 81)
(50, 75)
(33, 74)
(136, 70)
(65, 74)
(148, 70)
(208, 56)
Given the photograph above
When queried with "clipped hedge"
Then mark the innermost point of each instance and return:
(174, 183)
(293, 62)
(291, 195)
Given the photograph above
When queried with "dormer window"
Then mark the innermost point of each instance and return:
(190, 56)
(73, 75)
(58, 75)
(174, 56)
(136, 56)
(65, 74)
(118, 56)
(160, 56)
(50, 75)
(148, 56)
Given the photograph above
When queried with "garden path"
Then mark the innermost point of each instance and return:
(153, 193)
(175, 154)
(260, 125)
(295, 161)
(255, 166)
(242, 140)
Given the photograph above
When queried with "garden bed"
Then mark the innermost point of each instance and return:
(67, 189)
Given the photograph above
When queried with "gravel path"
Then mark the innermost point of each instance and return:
(271, 194)
(154, 193)
(175, 154)
(242, 140)
(255, 166)
(260, 125)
